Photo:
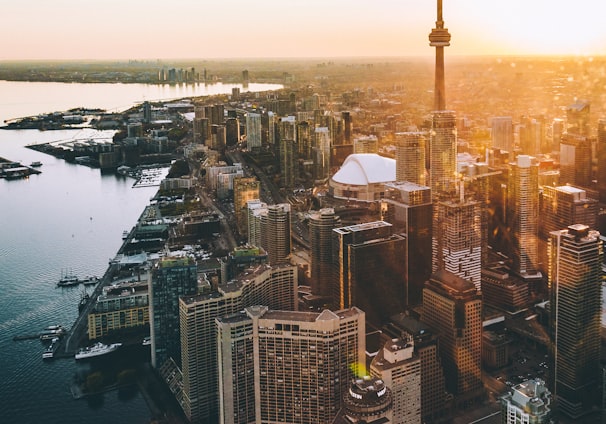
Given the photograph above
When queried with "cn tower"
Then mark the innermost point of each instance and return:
(439, 38)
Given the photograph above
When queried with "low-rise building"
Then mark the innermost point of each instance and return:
(120, 306)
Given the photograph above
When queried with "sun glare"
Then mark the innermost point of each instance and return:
(531, 27)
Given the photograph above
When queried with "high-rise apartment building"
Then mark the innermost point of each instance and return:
(558, 127)
(275, 233)
(366, 144)
(410, 157)
(201, 130)
(502, 133)
(601, 174)
(269, 228)
(347, 126)
(170, 278)
(254, 208)
(453, 307)
(443, 153)
(408, 207)
(560, 207)
(321, 224)
(245, 189)
(287, 130)
(287, 367)
(275, 287)
(304, 139)
(527, 402)
(321, 153)
(367, 260)
(457, 238)
(253, 130)
(399, 367)
(575, 286)
(577, 118)
(232, 131)
(436, 402)
(575, 160)
(523, 214)
(531, 135)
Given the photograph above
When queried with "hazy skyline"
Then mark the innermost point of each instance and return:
(136, 29)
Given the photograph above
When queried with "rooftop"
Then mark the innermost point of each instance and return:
(366, 168)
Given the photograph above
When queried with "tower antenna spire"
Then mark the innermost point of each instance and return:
(439, 38)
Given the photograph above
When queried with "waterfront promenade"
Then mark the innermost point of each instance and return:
(77, 336)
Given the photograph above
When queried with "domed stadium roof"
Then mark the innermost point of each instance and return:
(366, 168)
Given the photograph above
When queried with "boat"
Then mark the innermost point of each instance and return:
(98, 349)
(146, 341)
(68, 279)
(53, 327)
(35, 164)
(49, 352)
(89, 280)
(51, 334)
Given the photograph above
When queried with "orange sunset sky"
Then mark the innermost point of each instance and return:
(151, 29)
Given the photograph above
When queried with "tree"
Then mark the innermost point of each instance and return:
(94, 382)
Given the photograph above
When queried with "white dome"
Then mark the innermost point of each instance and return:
(366, 168)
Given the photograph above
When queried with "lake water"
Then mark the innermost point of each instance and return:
(68, 217)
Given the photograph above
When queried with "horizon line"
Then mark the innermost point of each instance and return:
(307, 58)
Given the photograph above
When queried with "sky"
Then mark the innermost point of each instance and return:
(206, 29)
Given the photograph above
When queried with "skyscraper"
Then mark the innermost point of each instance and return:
(321, 153)
(527, 402)
(577, 118)
(293, 367)
(409, 209)
(245, 189)
(367, 260)
(347, 126)
(254, 208)
(321, 224)
(523, 214)
(410, 157)
(457, 238)
(253, 130)
(275, 233)
(287, 130)
(560, 207)
(275, 287)
(532, 133)
(502, 133)
(575, 291)
(436, 402)
(202, 131)
(453, 307)
(575, 160)
(170, 278)
(443, 153)
(399, 367)
(602, 159)
(232, 131)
